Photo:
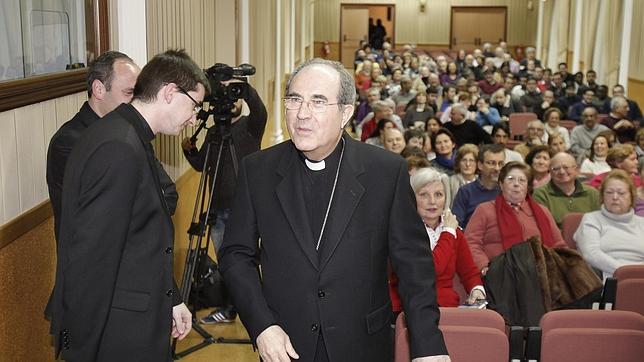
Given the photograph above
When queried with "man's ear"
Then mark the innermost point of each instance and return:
(167, 92)
(346, 114)
(98, 89)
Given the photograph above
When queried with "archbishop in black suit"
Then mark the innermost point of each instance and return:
(114, 297)
(322, 294)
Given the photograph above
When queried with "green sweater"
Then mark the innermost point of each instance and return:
(583, 199)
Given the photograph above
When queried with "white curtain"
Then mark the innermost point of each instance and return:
(11, 56)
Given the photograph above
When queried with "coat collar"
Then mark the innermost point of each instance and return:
(348, 193)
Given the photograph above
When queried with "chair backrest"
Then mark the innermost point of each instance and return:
(630, 295)
(601, 117)
(588, 318)
(592, 345)
(569, 124)
(569, 225)
(481, 344)
(518, 123)
(465, 342)
(472, 317)
(629, 272)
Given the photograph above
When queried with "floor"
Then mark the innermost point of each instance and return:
(219, 352)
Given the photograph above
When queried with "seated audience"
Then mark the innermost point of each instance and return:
(489, 162)
(464, 130)
(639, 144)
(564, 193)
(634, 112)
(464, 168)
(447, 242)
(381, 110)
(393, 140)
(486, 115)
(581, 137)
(535, 136)
(568, 99)
(639, 202)
(618, 120)
(547, 103)
(420, 112)
(406, 92)
(489, 85)
(373, 94)
(503, 103)
(539, 161)
(551, 118)
(596, 162)
(556, 144)
(432, 125)
(451, 76)
(612, 236)
(378, 136)
(623, 157)
(444, 144)
(501, 135)
(414, 163)
(415, 138)
(449, 95)
(531, 101)
(511, 218)
(574, 112)
(427, 146)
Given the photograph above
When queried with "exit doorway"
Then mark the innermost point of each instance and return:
(354, 27)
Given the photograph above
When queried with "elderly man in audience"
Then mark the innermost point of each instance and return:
(535, 136)
(618, 120)
(612, 236)
(489, 85)
(373, 95)
(464, 130)
(574, 112)
(623, 157)
(581, 137)
(564, 193)
(634, 113)
(509, 219)
(489, 162)
(548, 102)
(531, 101)
(381, 110)
(406, 93)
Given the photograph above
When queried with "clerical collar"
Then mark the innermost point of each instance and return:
(330, 161)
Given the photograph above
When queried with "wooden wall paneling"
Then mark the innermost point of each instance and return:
(9, 162)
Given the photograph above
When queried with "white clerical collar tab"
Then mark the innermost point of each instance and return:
(315, 166)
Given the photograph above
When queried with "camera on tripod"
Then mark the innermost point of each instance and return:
(223, 97)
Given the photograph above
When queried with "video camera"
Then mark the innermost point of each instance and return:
(222, 97)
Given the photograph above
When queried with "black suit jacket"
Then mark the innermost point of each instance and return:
(342, 289)
(114, 288)
(60, 146)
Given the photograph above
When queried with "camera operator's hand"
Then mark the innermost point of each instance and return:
(188, 145)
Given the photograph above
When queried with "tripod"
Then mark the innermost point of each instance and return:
(200, 228)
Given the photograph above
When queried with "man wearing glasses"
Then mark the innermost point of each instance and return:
(330, 212)
(564, 193)
(114, 294)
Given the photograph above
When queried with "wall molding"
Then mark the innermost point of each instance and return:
(24, 223)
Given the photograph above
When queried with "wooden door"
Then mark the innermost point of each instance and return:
(354, 27)
(473, 26)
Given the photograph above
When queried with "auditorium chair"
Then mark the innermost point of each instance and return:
(518, 123)
(569, 225)
(569, 124)
(629, 272)
(630, 295)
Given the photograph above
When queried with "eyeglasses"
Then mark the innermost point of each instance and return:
(316, 105)
(565, 168)
(514, 179)
(197, 108)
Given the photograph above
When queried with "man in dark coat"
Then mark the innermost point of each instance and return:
(114, 298)
(330, 212)
(110, 82)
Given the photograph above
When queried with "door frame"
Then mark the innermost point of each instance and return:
(366, 6)
(451, 20)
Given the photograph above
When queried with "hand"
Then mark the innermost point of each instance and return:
(536, 141)
(449, 219)
(274, 345)
(484, 270)
(443, 358)
(475, 296)
(624, 123)
(181, 321)
(187, 144)
(545, 105)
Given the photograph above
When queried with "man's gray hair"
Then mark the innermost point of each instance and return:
(347, 91)
(380, 105)
(617, 101)
(460, 108)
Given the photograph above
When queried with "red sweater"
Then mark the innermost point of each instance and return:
(451, 256)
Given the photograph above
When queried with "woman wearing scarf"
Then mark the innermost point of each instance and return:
(444, 144)
(510, 219)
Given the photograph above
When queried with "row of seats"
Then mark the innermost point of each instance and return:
(567, 335)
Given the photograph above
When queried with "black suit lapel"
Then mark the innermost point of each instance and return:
(291, 196)
(348, 193)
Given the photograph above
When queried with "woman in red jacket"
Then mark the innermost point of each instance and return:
(450, 249)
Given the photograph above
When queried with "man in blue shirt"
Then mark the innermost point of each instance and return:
(489, 162)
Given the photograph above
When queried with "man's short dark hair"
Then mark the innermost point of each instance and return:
(413, 132)
(102, 68)
(432, 90)
(501, 125)
(591, 72)
(490, 148)
(171, 66)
